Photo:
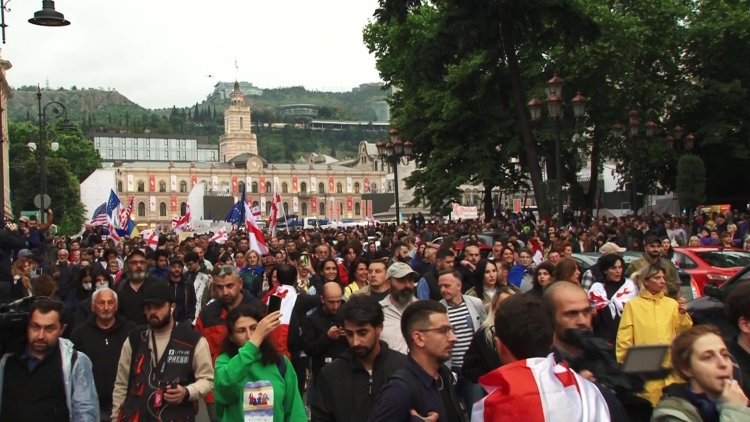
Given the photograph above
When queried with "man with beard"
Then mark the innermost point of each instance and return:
(423, 389)
(345, 388)
(101, 338)
(322, 336)
(184, 292)
(399, 253)
(652, 254)
(48, 380)
(130, 290)
(211, 322)
(401, 279)
(164, 367)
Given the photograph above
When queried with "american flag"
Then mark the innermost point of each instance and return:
(100, 216)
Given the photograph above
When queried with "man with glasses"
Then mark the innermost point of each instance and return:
(401, 279)
(424, 387)
(522, 273)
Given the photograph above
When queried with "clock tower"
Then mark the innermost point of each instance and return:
(237, 138)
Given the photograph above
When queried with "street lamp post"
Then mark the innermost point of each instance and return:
(634, 129)
(394, 152)
(555, 109)
(57, 110)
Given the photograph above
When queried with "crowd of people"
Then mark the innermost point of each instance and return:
(420, 321)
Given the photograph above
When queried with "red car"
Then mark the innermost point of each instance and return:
(710, 264)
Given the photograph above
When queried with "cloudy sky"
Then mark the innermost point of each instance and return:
(161, 53)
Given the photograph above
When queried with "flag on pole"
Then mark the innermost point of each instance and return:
(220, 237)
(125, 212)
(151, 238)
(255, 236)
(180, 224)
(274, 213)
(100, 216)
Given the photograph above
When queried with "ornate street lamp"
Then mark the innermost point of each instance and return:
(48, 16)
(394, 152)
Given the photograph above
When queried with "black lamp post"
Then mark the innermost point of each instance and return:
(634, 130)
(555, 109)
(394, 152)
(48, 16)
(57, 110)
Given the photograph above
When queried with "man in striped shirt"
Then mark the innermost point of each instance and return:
(466, 314)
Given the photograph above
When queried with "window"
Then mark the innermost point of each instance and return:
(286, 208)
(255, 187)
(268, 207)
(339, 188)
(373, 188)
(183, 186)
(183, 208)
(119, 186)
(141, 186)
(241, 186)
(284, 187)
(304, 208)
(255, 204)
(356, 187)
(268, 187)
(303, 187)
(357, 208)
(141, 209)
(321, 187)
(162, 186)
(322, 208)
(162, 209)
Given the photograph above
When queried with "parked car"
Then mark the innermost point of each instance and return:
(710, 264)
(709, 309)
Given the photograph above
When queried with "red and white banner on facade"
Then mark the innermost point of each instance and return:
(151, 183)
(234, 184)
(314, 205)
(330, 184)
(194, 180)
(262, 185)
(349, 204)
(367, 185)
(173, 202)
(295, 185)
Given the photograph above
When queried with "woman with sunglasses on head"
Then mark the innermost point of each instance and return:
(252, 378)
(710, 392)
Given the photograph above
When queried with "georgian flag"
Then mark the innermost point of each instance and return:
(220, 237)
(180, 224)
(255, 236)
(288, 295)
(151, 238)
(538, 390)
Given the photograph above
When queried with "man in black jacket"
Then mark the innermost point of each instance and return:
(322, 337)
(346, 388)
(11, 240)
(101, 338)
(184, 292)
(130, 290)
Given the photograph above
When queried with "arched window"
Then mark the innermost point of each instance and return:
(162, 209)
(141, 186)
(304, 208)
(286, 208)
(284, 187)
(183, 208)
(339, 188)
(162, 186)
(356, 187)
(241, 186)
(268, 187)
(357, 208)
(373, 188)
(341, 209)
(303, 187)
(183, 186)
(321, 187)
(322, 208)
(119, 186)
(268, 207)
(254, 187)
(141, 209)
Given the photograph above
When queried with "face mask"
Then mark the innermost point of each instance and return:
(100, 286)
(86, 286)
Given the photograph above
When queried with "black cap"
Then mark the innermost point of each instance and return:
(158, 293)
(175, 260)
(652, 238)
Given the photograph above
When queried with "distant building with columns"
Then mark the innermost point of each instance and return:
(160, 188)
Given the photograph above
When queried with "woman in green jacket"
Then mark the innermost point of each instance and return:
(252, 379)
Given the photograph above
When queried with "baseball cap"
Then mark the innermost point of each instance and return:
(652, 238)
(23, 219)
(400, 270)
(158, 293)
(25, 253)
(611, 248)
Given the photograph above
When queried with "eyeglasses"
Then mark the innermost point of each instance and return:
(444, 330)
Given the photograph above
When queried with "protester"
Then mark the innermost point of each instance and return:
(401, 281)
(609, 295)
(542, 278)
(377, 281)
(738, 313)
(323, 337)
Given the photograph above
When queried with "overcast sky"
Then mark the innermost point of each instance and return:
(161, 53)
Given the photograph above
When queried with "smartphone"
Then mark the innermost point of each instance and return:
(304, 260)
(274, 304)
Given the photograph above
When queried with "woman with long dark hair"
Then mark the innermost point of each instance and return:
(486, 286)
(542, 278)
(252, 379)
(609, 295)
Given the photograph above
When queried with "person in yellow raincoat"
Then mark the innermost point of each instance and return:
(652, 318)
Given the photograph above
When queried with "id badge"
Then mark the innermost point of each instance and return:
(158, 398)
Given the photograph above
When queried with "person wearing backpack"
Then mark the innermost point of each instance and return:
(424, 388)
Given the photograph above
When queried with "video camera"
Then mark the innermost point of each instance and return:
(14, 318)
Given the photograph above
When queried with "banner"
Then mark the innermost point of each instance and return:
(516, 205)
(234, 184)
(193, 180)
(151, 183)
(331, 205)
(214, 182)
(275, 187)
(173, 182)
(295, 204)
(314, 184)
(262, 204)
(369, 209)
(152, 203)
(263, 185)
(294, 185)
(173, 200)
(349, 204)
(468, 213)
(314, 205)
(331, 185)
(383, 182)
(367, 184)
(130, 183)
(349, 185)
(248, 184)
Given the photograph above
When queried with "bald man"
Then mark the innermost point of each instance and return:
(322, 335)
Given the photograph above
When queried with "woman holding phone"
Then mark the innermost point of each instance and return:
(710, 393)
(250, 367)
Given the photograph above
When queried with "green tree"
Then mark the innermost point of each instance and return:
(691, 181)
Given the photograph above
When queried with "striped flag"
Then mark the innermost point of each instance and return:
(100, 216)
(255, 236)
(539, 390)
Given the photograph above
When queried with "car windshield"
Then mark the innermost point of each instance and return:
(725, 259)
